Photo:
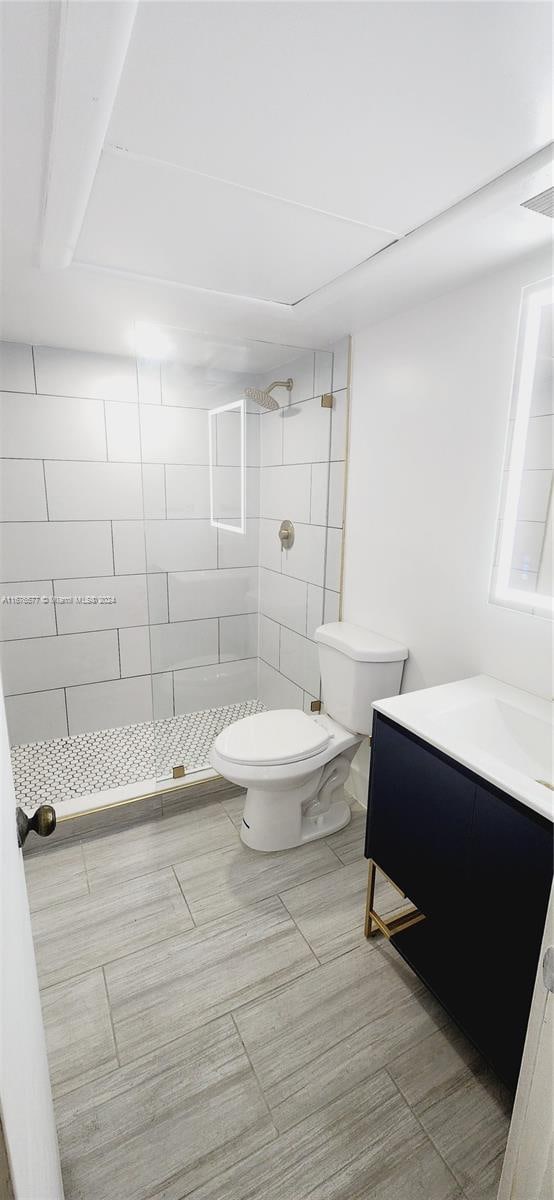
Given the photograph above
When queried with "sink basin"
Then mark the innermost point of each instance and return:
(499, 732)
(514, 736)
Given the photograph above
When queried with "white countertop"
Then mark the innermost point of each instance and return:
(501, 733)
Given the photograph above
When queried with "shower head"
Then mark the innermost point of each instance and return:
(263, 397)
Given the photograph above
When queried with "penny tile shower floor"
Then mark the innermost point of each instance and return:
(219, 1029)
(62, 768)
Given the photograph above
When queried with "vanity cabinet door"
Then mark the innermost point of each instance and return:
(511, 880)
(419, 820)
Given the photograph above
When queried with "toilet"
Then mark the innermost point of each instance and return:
(294, 766)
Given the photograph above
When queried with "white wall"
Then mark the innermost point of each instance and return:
(430, 401)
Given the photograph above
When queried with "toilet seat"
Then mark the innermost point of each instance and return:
(275, 738)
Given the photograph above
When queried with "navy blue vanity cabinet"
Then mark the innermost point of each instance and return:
(479, 865)
(512, 874)
(419, 819)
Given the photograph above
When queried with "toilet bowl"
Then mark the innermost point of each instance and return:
(294, 766)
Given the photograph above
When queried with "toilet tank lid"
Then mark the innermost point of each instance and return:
(363, 645)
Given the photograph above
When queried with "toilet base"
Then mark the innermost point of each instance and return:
(279, 819)
(258, 835)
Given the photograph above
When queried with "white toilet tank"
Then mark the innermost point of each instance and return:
(357, 667)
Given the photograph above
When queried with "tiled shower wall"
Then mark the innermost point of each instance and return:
(73, 437)
(302, 478)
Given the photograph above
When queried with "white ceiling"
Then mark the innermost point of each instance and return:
(225, 167)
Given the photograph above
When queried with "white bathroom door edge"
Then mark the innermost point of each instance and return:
(528, 1170)
(29, 1157)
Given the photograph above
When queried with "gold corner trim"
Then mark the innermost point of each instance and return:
(179, 772)
(327, 400)
(397, 924)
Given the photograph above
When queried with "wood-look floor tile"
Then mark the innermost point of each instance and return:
(464, 1109)
(173, 837)
(330, 911)
(365, 1144)
(79, 1037)
(188, 980)
(165, 1124)
(91, 931)
(234, 807)
(326, 1032)
(216, 884)
(348, 844)
(54, 874)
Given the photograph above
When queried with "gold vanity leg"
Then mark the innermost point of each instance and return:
(369, 931)
(374, 923)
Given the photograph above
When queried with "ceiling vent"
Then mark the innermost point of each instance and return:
(543, 203)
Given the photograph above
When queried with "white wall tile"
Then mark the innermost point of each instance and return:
(336, 494)
(284, 600)
(270, 551)
(306, 432)
(55, 549)
(162, 696)
(78, 373)
(300, 368)
(93, 491)
(236, 549)
(228, 447)
(209, 687)
(22, 493)
(340, 364)
(323, 374)
(52, 662)
(129, 547)
(285, 493)
(269, 641)
(184, 644)
(238, 637)
(197, 387)
(227, 492)
(27, 620)
(314, 610)
(36, 717)
(188, 492)
(299, 661)
(16, 367)
(122, 432)
(339, 422)
(271, 438)
(51, 427)
(134, 650)
(275, 690)
(194, 594)
(306, 558)
(149, 381)
(158, 605)
(174, 435)
(333, 559)
(319, 494)
(130, 608)
(331, 606)
(153, 491)
(327, 494)
(109, 705)
(180, 545)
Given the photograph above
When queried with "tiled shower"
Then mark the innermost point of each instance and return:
(146, 600)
